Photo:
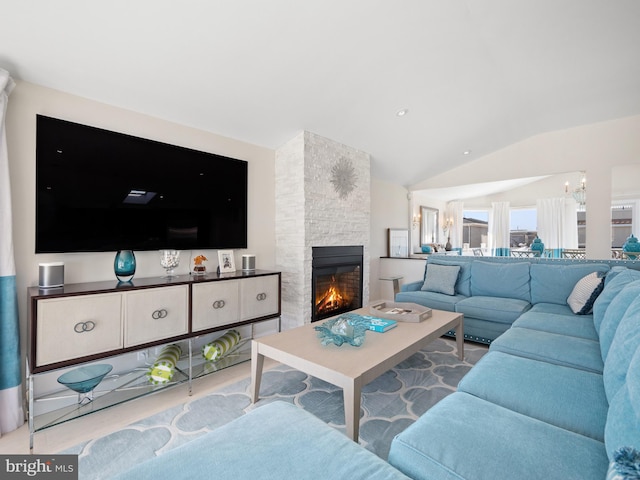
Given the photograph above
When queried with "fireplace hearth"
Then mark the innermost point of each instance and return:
(336, 280)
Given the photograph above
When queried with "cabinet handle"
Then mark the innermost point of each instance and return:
(161, 313)
(218, 304)
(261, 296)
(81, 327)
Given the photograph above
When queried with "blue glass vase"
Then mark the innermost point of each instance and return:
(124, 265)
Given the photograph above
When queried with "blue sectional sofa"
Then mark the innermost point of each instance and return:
(273, 442)
(556, 396)
(495, 292)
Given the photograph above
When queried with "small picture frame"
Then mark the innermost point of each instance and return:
(397, 242)
(226, 261)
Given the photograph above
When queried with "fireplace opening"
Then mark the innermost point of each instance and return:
(336, 280)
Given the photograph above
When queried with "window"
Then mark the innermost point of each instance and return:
(621, 224)
(475, 227)
(523, 226)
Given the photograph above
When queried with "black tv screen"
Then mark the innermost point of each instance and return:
(98, 190)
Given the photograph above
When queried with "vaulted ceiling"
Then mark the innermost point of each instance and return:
(472, 76)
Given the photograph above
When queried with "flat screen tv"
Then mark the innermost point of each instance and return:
(98, 190)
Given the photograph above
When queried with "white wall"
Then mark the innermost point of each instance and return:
(596, 149)
(390, 209)
(27, 100)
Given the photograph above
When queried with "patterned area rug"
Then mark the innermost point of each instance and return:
(389, 405)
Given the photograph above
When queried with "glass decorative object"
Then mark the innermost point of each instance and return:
(169, 259)
(347, 328)
(124, 265)
(84, 379)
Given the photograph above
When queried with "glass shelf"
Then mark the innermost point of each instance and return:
(118, 388)
(114, 389)
(240, 353)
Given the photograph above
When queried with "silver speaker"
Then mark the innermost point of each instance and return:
(51, 275)
(248, 262)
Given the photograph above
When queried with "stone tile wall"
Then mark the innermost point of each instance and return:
(323, 198)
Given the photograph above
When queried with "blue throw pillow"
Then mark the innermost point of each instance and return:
(441, 279)
(625, 465)
(463, 285)
(614, 283)
(623, 417)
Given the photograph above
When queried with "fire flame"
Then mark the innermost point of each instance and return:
(333, 297)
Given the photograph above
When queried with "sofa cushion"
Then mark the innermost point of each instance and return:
(554, 309)
(614, 271)
(623, 422)
(495, 309)
(550, 347)
(441, 279)
(615, 313)
(562, 396)
(564, 322)
(463, 285)
(439, 301)
(465, 437)
(275, 441)
(585, 293)
(508, 280)
(625, 343)
(553, 283)
(614, 282)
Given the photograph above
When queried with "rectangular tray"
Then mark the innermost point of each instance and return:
(400, 311)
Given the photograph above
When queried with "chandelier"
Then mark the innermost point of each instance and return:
(579, 193)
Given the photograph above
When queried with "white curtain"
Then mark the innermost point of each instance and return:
(11, 412)
(557, 224)
(499, 229)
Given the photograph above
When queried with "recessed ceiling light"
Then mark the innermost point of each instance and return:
(466, 152)
(403, 112)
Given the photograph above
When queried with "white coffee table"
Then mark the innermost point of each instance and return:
(348, 367)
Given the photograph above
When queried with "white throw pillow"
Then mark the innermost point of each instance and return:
(585, 293)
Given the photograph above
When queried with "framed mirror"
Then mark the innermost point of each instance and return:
(428, 225)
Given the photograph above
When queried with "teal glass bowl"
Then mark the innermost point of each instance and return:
(84, 379)
(347, 328)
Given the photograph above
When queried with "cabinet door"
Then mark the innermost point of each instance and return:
(155, 314)
(259, 297)
(215, 304)
(74, 327)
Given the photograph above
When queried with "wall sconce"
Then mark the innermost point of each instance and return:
(448, 224)
(416, 221)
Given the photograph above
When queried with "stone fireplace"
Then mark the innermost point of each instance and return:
(323, 199)
(336, 281)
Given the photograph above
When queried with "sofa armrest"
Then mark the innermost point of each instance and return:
(411, 287)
